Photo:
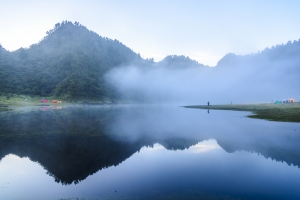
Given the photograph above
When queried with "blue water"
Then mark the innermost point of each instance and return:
(146, 152)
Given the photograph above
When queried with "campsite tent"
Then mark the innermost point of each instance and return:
(291, 100)
(44, 101)
(54, 101)
(285, 101)
(277, 102)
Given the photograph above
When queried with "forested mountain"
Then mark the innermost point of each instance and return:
(68, 62)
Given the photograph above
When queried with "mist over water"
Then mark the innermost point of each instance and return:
(146, 151)
(158, 84)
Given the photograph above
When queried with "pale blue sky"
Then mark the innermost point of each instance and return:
(202, 30)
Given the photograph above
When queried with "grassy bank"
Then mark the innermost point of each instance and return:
(19, 100)
(273, 112)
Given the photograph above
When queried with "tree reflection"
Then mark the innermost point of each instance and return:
(73, 143)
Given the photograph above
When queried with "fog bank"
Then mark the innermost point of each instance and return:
(236, 79)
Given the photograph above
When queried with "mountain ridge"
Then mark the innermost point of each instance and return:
(70, 62)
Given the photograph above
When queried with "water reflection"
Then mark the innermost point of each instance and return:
(72, 143)
(157, 173)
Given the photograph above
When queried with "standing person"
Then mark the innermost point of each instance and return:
(207, 103)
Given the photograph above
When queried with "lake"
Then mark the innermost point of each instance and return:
(145, 152)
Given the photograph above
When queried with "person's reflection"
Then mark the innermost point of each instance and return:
(208, 111)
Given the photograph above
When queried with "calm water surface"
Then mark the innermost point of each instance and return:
(146, 152)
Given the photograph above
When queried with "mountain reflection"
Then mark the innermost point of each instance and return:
(75, 142)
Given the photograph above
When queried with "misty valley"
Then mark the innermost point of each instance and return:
(145, 152)
(73, 63)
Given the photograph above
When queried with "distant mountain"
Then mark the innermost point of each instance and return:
(277, 55)
(179, 62)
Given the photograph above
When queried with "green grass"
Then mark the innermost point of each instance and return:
(272, 112)
(19, 100)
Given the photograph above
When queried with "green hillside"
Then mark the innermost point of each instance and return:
(68, 62)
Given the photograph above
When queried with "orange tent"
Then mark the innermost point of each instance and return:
(54, 101)
(292, 100)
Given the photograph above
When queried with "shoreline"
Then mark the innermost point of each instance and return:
(272, 112)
